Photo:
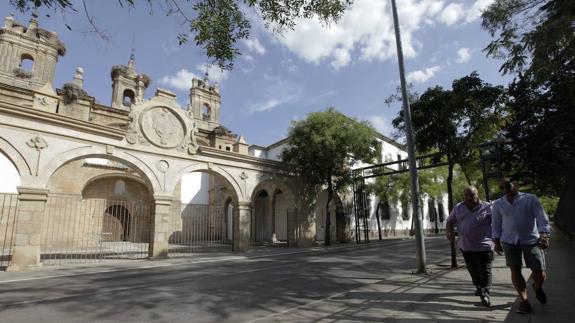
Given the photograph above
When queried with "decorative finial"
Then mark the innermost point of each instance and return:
(132, 61)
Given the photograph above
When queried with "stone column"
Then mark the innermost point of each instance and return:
(242, 218)
(292, 227)
(160, 226)
(31, 204)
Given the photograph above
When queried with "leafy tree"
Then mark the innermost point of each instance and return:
(323, 147)
(536, 39)
(217, 25)
(456, 121)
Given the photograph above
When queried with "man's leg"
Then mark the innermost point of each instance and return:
(518, 282)
(470, 263)
(513, 259)
(484, 260)
(535, 259)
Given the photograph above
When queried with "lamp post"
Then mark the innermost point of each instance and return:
(419, 239)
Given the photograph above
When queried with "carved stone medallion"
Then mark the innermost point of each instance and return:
(163, 127)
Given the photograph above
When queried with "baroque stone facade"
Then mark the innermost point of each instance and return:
(98, 181)
(66, 147)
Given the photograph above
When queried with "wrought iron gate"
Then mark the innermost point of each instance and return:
(94, 230)
(197, 228)
(8, 209)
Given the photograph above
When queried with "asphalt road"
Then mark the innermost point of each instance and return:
(238, 289)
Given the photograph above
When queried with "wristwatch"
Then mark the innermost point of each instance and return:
(544, 235)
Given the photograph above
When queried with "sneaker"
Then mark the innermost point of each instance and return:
(540, 295)
(485, 299)
(524, 307)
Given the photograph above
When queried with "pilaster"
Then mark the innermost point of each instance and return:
(29, 217)
(160, 227)
(242, 226)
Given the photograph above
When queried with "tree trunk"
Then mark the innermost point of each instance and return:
(450, 206)
(327, 238)
(377, 217)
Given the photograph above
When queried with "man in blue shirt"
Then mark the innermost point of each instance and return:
(521, 227)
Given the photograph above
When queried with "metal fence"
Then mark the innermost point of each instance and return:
(197, 228)
(271, 229)
(8, 209)
(94, 230)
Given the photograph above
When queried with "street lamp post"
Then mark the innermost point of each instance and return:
(419, 239)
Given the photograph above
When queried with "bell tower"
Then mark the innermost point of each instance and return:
(127, 85)
(205, 103)
(28, 54)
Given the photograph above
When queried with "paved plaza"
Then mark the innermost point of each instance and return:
(345, 283)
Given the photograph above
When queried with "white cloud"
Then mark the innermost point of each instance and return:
(421, 76)
(215, 74)
(254, 46)
(379, 123)
(463, 55)
(452, 13)
(477, 9)
(341, 58)
(367, 28)
(276, 92)
(182, 80)
(289, 65)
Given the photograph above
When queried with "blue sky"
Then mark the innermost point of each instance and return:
(351, 66)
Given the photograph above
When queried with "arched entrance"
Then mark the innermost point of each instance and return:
(280, 216)
(103, 212)
(273, 213)
(116, 223)
(261, 218)
(338, 221)
(8, 206)
(202, 213)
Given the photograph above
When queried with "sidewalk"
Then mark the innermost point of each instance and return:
(446, 295)
(442, 295)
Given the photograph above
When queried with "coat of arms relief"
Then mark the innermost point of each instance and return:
(163, 127)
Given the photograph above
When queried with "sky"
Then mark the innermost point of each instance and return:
(351, 65)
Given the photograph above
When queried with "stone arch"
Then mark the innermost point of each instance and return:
(11, 179)
(229, 209)
(26, 62)
(271, 218)
(128, 97)
(16, 157)
(337, 217)
(150, 178)
(238, 195)
(202, 218)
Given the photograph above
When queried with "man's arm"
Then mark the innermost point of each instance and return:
(496, 228)
(450, 224)
(542, 220)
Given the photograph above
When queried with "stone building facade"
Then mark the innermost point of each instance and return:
(109, 182)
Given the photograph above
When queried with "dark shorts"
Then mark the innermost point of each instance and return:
(532, 254)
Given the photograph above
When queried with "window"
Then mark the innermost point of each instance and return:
(128, 98)
(120, 187)
(440, 212)
(385, 210)
(228, 148)
(404, 210)
(206, 112)
(26, 63)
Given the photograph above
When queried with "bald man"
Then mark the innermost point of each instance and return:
(472, 218)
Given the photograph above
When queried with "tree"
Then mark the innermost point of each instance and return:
(218, 25)
(536, 39)
(323, 147)
(454, 122)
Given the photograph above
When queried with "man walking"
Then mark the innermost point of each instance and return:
(472, 218)
(521, 227)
